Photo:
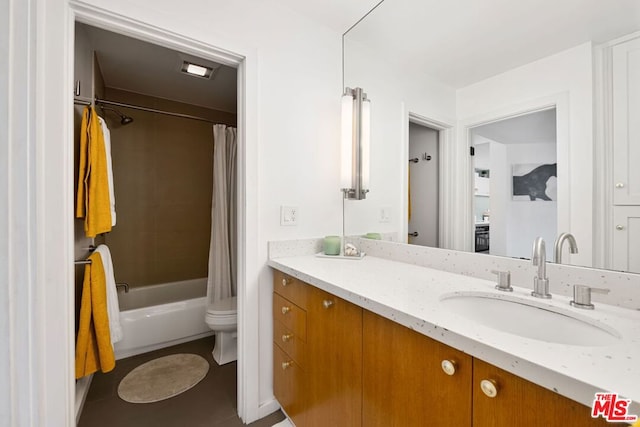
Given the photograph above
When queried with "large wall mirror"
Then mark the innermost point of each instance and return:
(525, 85)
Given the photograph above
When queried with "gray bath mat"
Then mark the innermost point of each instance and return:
(163, 378)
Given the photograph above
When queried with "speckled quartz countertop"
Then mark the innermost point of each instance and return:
(411, 295)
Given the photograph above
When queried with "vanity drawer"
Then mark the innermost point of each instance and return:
(291, 288)
(291, 316)
(289, 385)
(288, 342)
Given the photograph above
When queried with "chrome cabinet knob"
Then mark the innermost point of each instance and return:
(285, 281)
(448, 366)
(619, 227)
(285, 309)
(286, 337)
(327, 303)
(489, 388)
(286, 365)
(620, 185)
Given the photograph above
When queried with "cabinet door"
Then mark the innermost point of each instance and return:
(626, 126)
(333, 361)
(626, 238)
(404, 384)
(289, 385)
(520, 403)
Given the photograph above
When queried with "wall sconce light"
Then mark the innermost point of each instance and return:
(356, 135)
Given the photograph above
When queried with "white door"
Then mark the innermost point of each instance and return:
(423, 186)
(626, 125)
(626, 238)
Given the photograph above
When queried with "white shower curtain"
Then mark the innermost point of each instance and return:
(221, 282)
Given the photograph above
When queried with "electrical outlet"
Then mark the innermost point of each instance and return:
(288, 215)
(385, 214)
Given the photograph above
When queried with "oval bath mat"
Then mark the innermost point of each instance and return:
(163, 378)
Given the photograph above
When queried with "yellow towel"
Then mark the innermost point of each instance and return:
(93, 203)
(93, 348)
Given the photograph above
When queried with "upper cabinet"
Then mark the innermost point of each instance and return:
(626, 122)
(625, 85)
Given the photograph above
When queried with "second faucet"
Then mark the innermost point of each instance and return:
(539, 258)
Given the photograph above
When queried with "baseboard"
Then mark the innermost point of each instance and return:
(268, 408)
(82, 389)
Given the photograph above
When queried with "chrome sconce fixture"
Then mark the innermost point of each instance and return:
(356, 122)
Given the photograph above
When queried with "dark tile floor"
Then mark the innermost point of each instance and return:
(211, 403)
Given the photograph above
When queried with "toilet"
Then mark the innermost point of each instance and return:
(222, 317)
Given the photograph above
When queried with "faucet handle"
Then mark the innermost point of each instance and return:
(582, 296)
(504, 280)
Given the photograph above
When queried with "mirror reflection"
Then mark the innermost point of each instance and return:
(544, 96)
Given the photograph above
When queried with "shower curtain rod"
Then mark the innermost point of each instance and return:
(153, 110)
(150, 110)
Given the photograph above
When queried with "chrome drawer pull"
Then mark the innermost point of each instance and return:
(286, 309)
(285, 281)
(327, 303)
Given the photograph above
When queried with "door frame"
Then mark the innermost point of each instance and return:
(54, 351)
(445, 144)
(561, 103)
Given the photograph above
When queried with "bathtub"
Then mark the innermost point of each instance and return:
(163, 315)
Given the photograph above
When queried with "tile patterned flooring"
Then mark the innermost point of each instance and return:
(212, 402)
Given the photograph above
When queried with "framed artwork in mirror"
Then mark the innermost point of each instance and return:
(534, 182)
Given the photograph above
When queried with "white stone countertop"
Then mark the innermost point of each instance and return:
(411, 296)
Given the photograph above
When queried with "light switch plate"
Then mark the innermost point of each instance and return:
(288, 215)
(385, 214)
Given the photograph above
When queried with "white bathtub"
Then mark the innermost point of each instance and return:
(163, 315)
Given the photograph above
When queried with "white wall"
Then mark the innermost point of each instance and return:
(293, 84)
(568, 73)
(394, 93)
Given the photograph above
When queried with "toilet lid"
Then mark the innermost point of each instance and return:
(224, 306)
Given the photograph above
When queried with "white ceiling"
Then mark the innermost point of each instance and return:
(534, 128)
(459, 42)
(338, 15)
(149, 69)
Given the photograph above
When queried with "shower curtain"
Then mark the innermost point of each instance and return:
(221, 281)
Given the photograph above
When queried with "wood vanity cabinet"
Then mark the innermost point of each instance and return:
(519, 402)
(289, 350)
(404, 383)
(336, 364)
(317, 355)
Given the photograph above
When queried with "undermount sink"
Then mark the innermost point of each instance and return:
(529, 319)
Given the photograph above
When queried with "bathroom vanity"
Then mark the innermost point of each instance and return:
(373, 343)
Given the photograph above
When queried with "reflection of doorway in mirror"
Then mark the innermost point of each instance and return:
(508, 148)
(423, 206)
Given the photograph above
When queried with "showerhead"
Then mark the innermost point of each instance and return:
(124, 120)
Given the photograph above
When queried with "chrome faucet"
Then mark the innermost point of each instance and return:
(539, 258)
(557, 249)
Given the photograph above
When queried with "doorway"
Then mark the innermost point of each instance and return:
(423, 215)
(515, 183)
(210, 54)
